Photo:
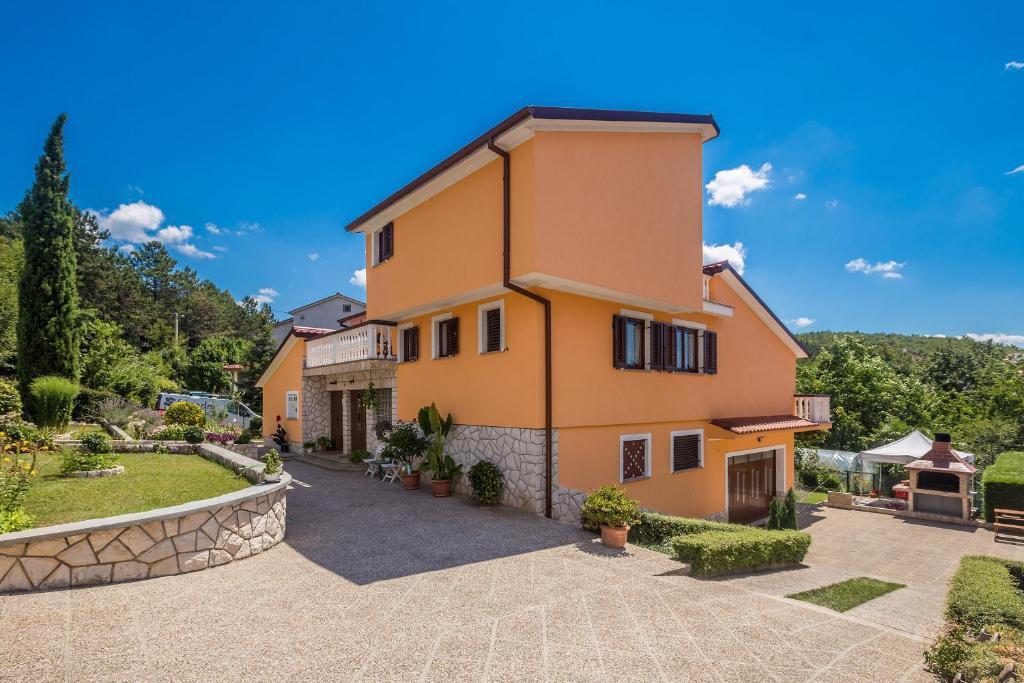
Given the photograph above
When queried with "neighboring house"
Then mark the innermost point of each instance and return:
(325, 313)
(544, 284)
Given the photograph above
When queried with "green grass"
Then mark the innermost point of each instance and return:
(150, 480)
(846, 595)
(810, 497)
(78, 431)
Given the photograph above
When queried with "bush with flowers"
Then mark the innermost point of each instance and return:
(17, 472)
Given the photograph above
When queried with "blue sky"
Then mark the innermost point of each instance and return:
(898, 124)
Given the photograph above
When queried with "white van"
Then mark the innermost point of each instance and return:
(221, 408)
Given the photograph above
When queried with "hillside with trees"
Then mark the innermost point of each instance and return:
(72, 306)
(883, 385)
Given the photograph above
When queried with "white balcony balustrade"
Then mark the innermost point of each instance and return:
(816, 408)
(370, 341)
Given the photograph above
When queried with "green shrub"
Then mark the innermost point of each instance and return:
(272, 462)
(83, 461)
(359, 455)
(610, 506)
(94, 442)
(243, 438)
(256, 425)
(485, 478)
(185, 413)
(986, 591)
(714, 552)
(15, 520)
(53, 400)
(193, 434)
(1002, 484)
(655, 529)
(10, 399)
(404, 445)
(789, 520)
(775, 514)
(956, 652)
(169, 433)
(87, 407)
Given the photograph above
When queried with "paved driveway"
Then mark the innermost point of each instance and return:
(373, 583)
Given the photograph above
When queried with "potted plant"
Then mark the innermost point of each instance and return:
(325, 443)
(442, 467)
(614, 511)
(404, 445)
(272, 466)
(485, 479)
(307, 447)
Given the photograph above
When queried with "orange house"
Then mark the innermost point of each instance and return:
(545, 285)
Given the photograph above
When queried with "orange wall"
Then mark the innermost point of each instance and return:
(497, 389)
(287, 377)
(621, 211)
(589, 457)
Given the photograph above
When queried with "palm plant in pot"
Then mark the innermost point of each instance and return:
(404, 445)
(442, 467)
(614, 511)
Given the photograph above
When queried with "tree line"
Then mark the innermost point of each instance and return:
(100, 315)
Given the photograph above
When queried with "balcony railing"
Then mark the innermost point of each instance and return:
(816, 408)
(370, 341)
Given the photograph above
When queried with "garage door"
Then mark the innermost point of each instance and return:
(751, 485)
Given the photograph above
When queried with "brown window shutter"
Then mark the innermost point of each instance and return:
(711, 353)
(492, 330)
(411, 342)
(671, 360)
(385, 243)
(618, 341)
(659, 332)
(634, 459)
(453, 336)
(685, 452)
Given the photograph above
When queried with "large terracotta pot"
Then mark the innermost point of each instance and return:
(411, 482)
(442, 487)
(614, 536)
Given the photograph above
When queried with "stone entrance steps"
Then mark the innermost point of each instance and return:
(332, 461)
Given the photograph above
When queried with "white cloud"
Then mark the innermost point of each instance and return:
(1013, 65)
(136, 189)
(189, 249)
(212, 228)
(266, 295)
(127, 248)
(173, 234)
(1019, 169)
(358, 278)
(832, 203)
(730, 188)
(130, 222)
(887, 269)
(801, 322)
(313, 256)
(800, 196)
(735, 254)
(220, 248)
(998, 338)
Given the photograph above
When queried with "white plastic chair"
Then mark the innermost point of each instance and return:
(392, 472)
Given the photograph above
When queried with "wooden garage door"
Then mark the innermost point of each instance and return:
(751, 485)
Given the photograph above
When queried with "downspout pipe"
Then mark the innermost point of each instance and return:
(506, 281)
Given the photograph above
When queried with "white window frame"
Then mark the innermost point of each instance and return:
(288, 405)
(648, 318)
(671, 448)
(434, 340)
(374, 255)
(481, 325)
(401, 341)
(623, 438)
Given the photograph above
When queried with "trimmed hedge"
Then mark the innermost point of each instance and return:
(715, 552)
(655, 529)
(1002, 484)
(986, 591)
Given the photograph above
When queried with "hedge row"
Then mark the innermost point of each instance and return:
(655, 529)
(715, 552)
(986, 591)
(1002, 484)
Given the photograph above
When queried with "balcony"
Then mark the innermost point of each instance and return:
(816, 408)
(369, 341)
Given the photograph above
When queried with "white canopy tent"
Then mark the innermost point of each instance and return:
(904, 451)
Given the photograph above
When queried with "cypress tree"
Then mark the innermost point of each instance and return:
(48, 339)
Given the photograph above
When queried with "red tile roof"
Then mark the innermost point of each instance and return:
(762, 423)
(942, 457)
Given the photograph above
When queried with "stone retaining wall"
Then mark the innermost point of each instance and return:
(174, 540)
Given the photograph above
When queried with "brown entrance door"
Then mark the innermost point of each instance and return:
(337, 418)
(751, 486)
(358, 420)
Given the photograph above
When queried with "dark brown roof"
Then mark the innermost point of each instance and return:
(553, 113)
(762, 423)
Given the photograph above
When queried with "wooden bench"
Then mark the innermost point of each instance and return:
(1008, 521)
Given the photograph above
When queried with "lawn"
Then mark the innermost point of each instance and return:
(810, 497)
(78, 431)
(846, 595)
(150, 480)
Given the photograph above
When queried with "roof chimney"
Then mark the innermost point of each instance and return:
(942, 437)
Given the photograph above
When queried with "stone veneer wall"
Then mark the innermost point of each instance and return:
(316, 403)
(175, 540)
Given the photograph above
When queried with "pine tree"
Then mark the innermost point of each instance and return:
(774, 514)
(48, 339)
(789, 511)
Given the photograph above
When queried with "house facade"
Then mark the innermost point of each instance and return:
(545, 285)
(327, 313)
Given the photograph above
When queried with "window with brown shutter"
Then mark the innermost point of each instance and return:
(635, 451)
(710, 353)
(410, 344)
(385, 242)
(659, 337)
(686, 450)
(628, 342)
(682, 352)
(492, 330)
(447, 337)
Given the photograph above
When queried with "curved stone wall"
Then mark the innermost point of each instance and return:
(174, 540)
